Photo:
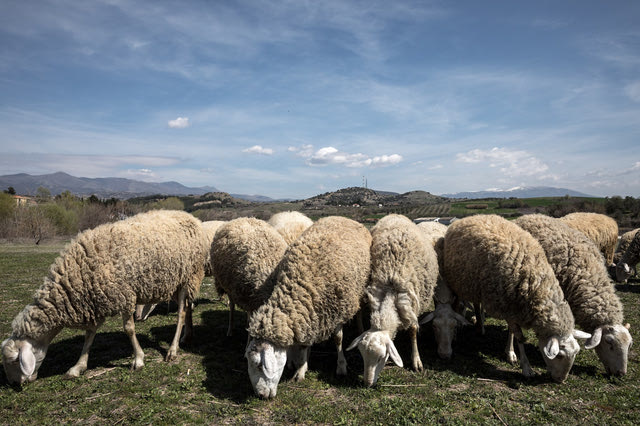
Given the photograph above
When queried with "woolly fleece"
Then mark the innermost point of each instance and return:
(600, 228)
(492, 261)
(290, 224)
(246, 251)
(577, 263)
(318, 284)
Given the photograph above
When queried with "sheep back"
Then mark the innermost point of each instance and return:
(600, 228)
(290, 224)
(245, 252)
(577, 263)
(403, 260)
(104, 271)
(492, 261)
(318, 286)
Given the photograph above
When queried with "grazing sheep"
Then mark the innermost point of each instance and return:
(104, 272)
(584, 279)
(492, 261)
(600, 228)
(318, 286)
(623, 244)
(246, 251)
(445, 318)
(290, 224)
(404, 271)
(210, 227)
(626, 267)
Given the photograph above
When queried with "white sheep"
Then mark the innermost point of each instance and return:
(491, 261)
(290, 224)
(600, 228)
(623, 244)
(404, 271)
(104, 272)
(577, 263)
(318, 286)
(246, 251)
(626, 267)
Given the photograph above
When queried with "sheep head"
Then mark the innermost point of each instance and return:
(612, 344)
(445, 321)
(559, 352)
(22, 359)
(266, 363)
(624, 272)
(376, 347)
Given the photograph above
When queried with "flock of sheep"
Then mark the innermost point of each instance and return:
(301, 281)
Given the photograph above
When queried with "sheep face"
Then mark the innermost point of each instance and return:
(445, 321)
(624, 271)
(265, 363)
(375, 347)
(21, 360)
(559, 353)
(612, 344)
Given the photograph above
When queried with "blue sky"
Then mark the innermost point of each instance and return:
(290, 99)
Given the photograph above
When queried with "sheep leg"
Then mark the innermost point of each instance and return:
(511, 355)
(81, 365)
(173, 349)
(341, 369)
(130, 329)
(300, 362)
(232, 309)
(188, 324)
(479, 317)
(415, 354)
(527, 371)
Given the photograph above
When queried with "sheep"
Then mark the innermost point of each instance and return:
(210, 227)
(445, 318)
(584, 279)
(404, 270)
(290, 224)
(494, 262)
(317, 288)
(103, 272)
(246, 251)
(600, 228)
(626, 267)
(623, 244)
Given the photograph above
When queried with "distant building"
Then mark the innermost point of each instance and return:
(21, 200)
(442, 220)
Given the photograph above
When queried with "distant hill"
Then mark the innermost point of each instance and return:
(368, 197)
(520, 192)
(121, 188)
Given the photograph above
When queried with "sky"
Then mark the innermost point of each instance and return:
(295, 98)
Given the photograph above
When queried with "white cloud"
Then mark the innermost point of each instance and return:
(510, 162)
(331, 156)
(179, 123)
(257, 149)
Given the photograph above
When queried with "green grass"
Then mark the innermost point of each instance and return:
(209, 382)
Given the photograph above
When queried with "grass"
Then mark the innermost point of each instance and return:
(209, 382)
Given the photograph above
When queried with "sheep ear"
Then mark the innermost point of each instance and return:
(393, 353)
(552, 348)
(356, 341)
(427, 318)
(27, 359)
(579, 334)
(627, 326)
(595, 339)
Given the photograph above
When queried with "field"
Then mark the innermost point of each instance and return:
(209, 382)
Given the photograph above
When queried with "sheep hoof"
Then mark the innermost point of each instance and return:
(171, 355)
(512, 358)
(528, 373)
(137, 365)
(417, 366)
(73, 373)
(341, 370)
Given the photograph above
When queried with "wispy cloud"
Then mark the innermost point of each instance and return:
(512, 163)
(257, 149)
(331, 156)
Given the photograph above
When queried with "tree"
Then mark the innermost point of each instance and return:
(7, 205)
(43, 194)
(10, 191)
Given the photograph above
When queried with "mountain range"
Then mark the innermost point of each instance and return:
(121, 188)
